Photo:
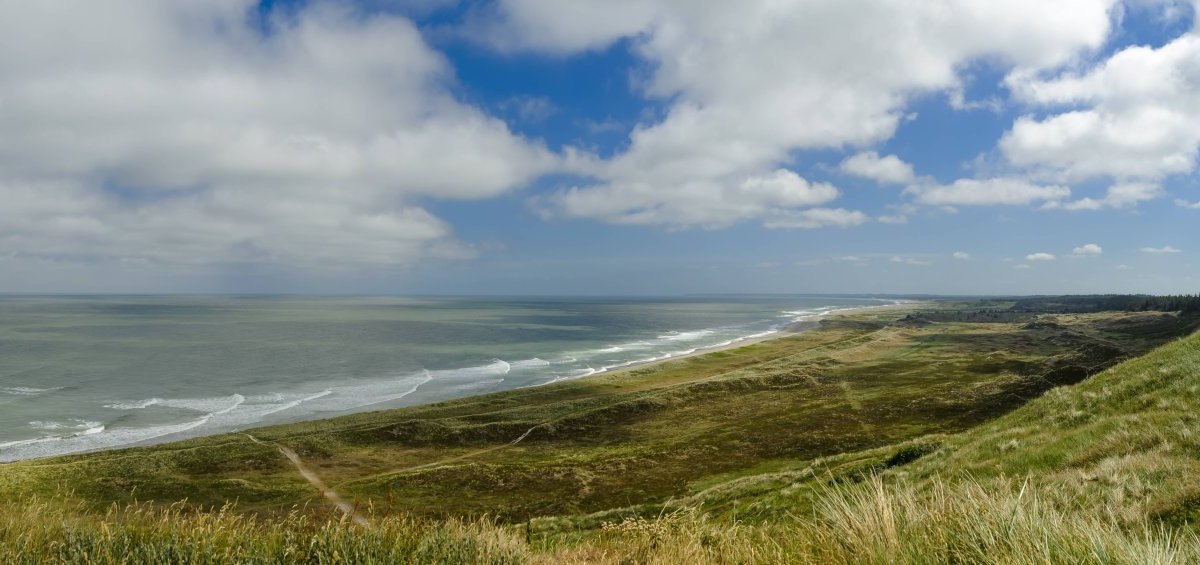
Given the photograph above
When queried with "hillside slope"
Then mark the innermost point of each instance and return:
(1106, 470)
(642, 436)
(1099, 471)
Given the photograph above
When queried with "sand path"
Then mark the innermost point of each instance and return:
(350, 510)
(315, 480)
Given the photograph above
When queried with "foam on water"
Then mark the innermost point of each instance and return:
(344, 398)
(74, 424)
(225, 413)
(135, 405)
(240, 409)
(26, 390)
(496, 367)
(529, 364)
(686, 336)
(90, 440)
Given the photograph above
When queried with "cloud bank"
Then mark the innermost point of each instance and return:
(182, 133)
(739, 107)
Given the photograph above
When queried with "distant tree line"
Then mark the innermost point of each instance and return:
(1186, 303)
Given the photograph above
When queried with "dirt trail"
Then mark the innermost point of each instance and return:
(315, 480)
(466, 455)
(352, 511)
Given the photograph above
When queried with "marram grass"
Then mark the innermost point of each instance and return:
(1000, 521)
(871, 522)
(39, 532)
(1099, 472)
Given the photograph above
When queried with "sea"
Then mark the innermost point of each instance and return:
(87, 373)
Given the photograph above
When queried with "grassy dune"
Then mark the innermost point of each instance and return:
(880, 436)
(1101, 471)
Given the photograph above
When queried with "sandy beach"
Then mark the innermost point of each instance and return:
(797, 327)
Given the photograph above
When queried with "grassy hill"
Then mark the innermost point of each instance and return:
(880, 436)
(1101, 471)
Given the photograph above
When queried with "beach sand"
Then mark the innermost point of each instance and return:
(808, 324)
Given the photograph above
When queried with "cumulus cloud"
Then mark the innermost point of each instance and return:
(1088, 249)
(180, 133)
(909, 261)
(976, 192)
(854, 260)
(704, 203)
(1164, 250)
(737, 109)
(889, 169)
(814, 218)
(1136, 115)
(1121, 195)
(1039, 257)
(962, 256)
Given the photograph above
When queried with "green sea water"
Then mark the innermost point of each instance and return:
(88, 373)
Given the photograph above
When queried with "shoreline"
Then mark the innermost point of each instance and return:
(795, 327)
(791, 329)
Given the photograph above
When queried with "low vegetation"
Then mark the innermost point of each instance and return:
(36, 532)
(895, 436)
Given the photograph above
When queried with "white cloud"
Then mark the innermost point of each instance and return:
(1088, 249)
(1121, 195)
(889, 169)
(177, 133)
(1135, 116)
(854, 260)
(962, 256)
(1039, 257)
(909, 261)
(816, 218)
(698, 203)
(1185, 204)
(978, 192)
(1167, 249)
(1021, 266)
(1088, 204)
(738, 109)
(1124, 267)
(900, 213)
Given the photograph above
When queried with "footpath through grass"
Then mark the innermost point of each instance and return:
(882, 434)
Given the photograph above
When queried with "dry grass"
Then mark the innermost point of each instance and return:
(1105, 471)
(42, 532)
(872, 522)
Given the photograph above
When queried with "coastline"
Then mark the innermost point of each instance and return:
(807, 324)
(796, 326)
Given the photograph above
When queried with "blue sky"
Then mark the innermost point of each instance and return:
(587, 147)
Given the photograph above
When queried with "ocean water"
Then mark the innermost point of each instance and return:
(88, 373)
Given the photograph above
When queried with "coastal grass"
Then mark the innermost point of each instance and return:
(646, 436)
(881, 437)
(873, 522)
(866, 522)
(37, 532)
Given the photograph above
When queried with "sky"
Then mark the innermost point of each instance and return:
(599, 147)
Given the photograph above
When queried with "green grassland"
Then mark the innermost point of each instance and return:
(940, 431)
